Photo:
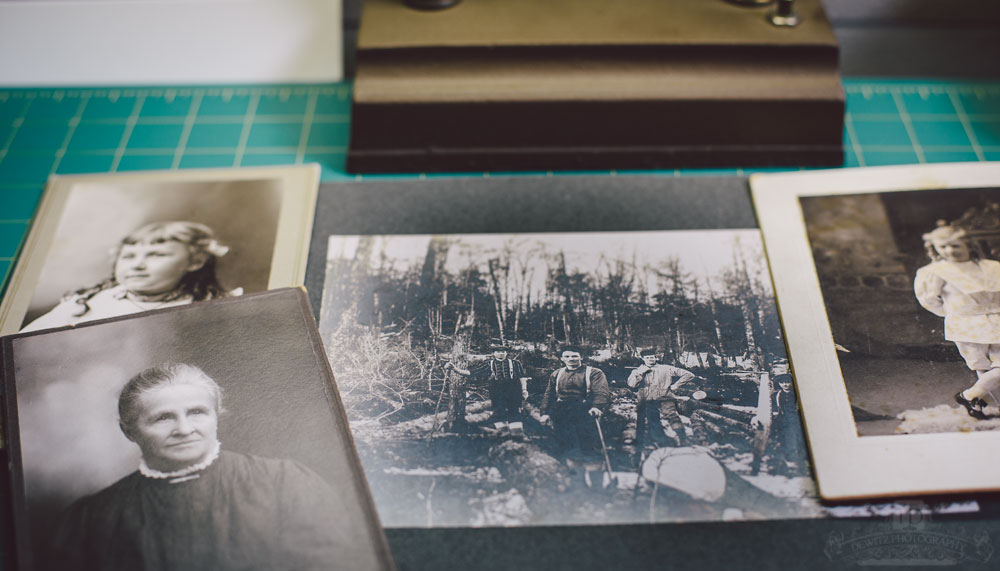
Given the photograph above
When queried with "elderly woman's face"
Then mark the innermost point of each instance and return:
(177, 426)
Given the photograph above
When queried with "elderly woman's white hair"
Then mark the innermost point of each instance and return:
(129, 404)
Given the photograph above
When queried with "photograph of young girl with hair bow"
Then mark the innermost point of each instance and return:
(161, 264)
(964, 288)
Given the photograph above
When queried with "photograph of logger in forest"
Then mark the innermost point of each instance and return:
(566, 378)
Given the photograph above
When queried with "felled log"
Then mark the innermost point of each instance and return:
(695, 472)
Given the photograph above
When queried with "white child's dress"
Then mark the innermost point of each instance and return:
(966, 294)
(112, 302)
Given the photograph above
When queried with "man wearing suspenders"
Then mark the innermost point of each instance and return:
(575, 396)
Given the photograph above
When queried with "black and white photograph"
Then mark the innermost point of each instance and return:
(894, 338)
(911, 283)
(106, 246)
(566, 378)
(197, 437)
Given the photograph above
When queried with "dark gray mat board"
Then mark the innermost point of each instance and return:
(609, 203)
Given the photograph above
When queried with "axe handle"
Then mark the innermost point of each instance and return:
(600, 434)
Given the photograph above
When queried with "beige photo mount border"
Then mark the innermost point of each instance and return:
(849, 466)
(299, 188)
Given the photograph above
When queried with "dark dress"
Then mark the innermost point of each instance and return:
(241, 512)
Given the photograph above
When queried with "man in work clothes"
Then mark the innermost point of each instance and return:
(574, 397)
(506, 382)
(655, 383)
(778, 429)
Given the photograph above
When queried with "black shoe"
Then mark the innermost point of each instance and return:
(974, 407)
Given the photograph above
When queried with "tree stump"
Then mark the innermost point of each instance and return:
(529, 469)
(455, 421)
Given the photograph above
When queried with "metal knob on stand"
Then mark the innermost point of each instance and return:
(430, 4)
(784, 14)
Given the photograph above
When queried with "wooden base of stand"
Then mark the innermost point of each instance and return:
(587, 84)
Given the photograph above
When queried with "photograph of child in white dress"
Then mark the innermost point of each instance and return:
(888, 284)
(891, 266)
(161, 264)
(964, 288)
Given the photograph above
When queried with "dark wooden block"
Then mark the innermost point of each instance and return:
(591, 84)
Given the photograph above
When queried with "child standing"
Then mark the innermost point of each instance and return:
(162, 264)
(964, 289)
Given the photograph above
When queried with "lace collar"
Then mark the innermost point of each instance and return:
(120, 292)
(183, 474)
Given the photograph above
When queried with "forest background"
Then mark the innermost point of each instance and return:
(397, 308)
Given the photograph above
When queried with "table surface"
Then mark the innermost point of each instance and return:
(99, 130)
(67, 131)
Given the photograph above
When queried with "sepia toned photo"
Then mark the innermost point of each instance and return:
(906, 280)
(911, 283)
(566, 378)
(211, 437)
(109, 245)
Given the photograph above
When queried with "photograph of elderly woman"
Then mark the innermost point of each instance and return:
(192, 445)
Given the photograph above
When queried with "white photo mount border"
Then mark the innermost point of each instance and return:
(849, 466)
(155, 42)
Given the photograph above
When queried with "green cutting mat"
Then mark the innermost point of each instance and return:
(46, 131)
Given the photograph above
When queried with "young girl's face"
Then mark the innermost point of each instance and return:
(153, 268)
(953, 250)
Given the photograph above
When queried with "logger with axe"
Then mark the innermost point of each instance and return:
(575, 396)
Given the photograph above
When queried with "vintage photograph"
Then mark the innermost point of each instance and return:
(566, 378)
(211, 437)
(109, 245)
(911, 283)
(889, 289)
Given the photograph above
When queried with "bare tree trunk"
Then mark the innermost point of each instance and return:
(498, 298)
(499, 312)
(715, 318)
(517, 319)
(749, 313)
(566, 329)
